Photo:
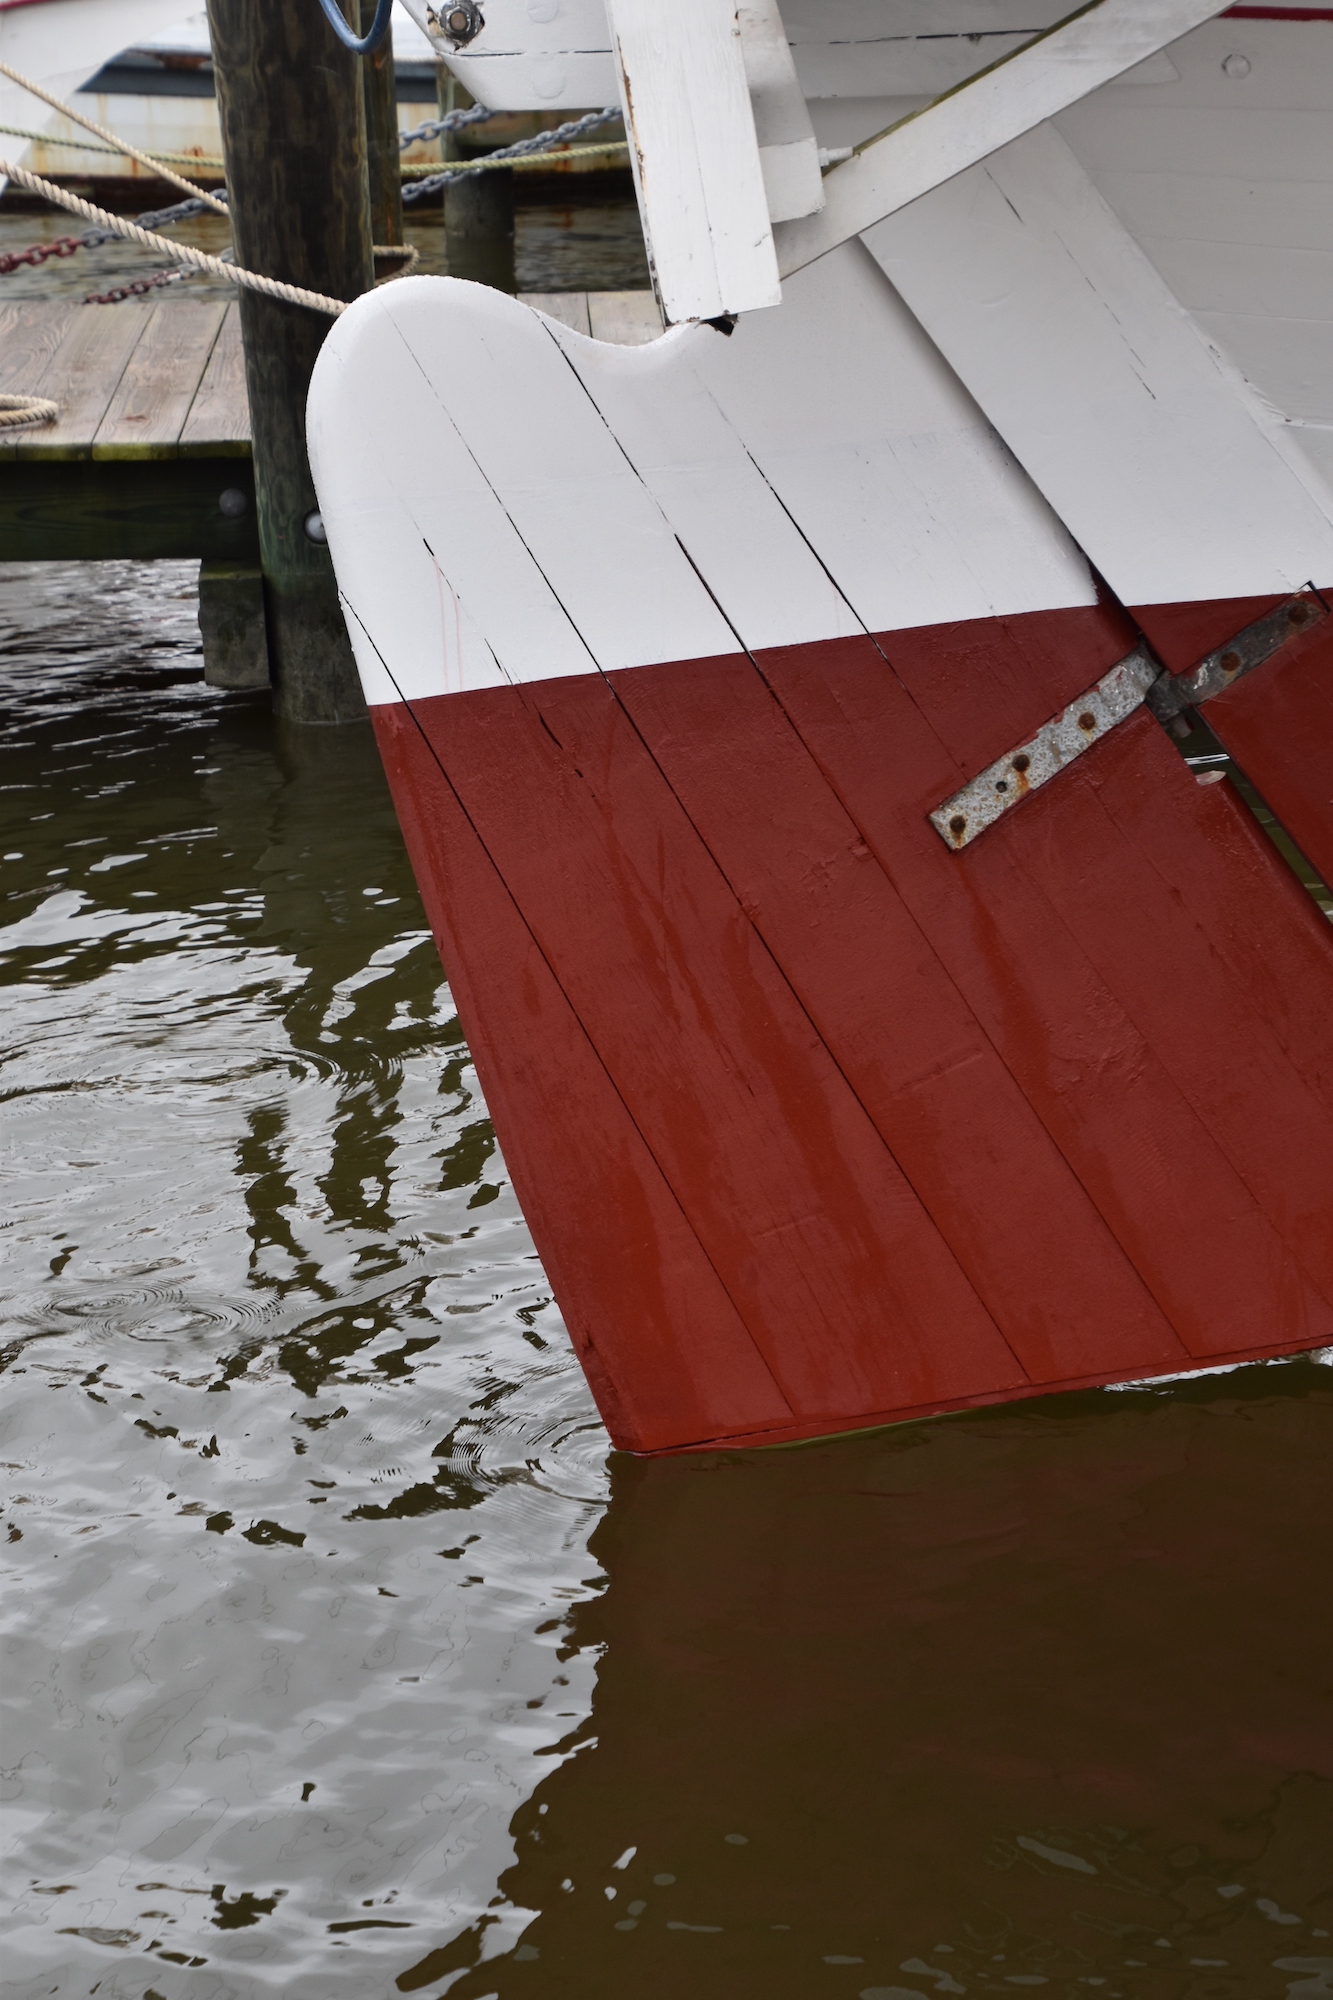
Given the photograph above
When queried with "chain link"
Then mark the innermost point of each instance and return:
(38, 253)
(135, 289)
(452, 121)
(542, 142)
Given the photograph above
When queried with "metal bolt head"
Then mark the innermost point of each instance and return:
(232, 503)
(1236, 66)
(1021, 762)
(462, 22)
(1229, 662)
(315, 530)
(958, 824)
(1087, 721)
(1297, 614)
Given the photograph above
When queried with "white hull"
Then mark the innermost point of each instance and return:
(60, 43)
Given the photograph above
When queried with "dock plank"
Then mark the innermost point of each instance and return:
(83, 376)
(29, 336)
(627, 319)
(570, 308)
(218, 424)
(152, 401)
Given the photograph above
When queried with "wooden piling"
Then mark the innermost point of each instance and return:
(380, 90)
(478, 210)
(292, 110)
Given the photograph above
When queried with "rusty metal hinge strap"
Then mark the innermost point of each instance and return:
(1011, 778)
(1132, 682)
(1171, 694)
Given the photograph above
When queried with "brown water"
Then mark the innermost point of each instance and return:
(340, 1657)
(591, 245)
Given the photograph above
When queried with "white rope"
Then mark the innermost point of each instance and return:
(179, 253)
(122, 145)
(21, 412)
(407, 254)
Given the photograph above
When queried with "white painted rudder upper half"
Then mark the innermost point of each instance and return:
(508, 500)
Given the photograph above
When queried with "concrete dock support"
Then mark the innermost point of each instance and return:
(293, 120)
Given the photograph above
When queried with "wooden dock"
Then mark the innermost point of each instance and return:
(154, 425)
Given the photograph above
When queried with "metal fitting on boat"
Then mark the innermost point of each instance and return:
(460, 23)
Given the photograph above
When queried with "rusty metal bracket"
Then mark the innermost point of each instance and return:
(1133, 682)
(1170, 695)
(1011, 778)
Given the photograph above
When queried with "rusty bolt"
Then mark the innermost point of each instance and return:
(1087, 720)
(1229, 662)
(1001, 784)
(1021, 762)
(1298, 613)
(958, 824)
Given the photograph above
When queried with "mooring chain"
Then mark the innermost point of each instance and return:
(180, 253)
(541, 142)
(92, 239)
(63, 246)
(452, 121)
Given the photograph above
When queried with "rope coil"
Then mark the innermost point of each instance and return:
(19, 413)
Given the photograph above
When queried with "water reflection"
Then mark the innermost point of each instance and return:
(330, 1670)
(300, 1468)
(1039, 1699)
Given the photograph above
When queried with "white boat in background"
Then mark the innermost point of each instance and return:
(147, 75)
(60, 43)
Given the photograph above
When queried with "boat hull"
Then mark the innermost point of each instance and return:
(818, 1124)
(821, 1120)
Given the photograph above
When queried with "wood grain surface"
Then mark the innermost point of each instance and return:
(936, 1128)
(219, 414)
(974, 1150)
(84, 374)
(1177, 479)
(127, 378)
(848, 1289)
(29, 336)
(1109, 1084)
(148, 408)
(617, 1247)
(1278, 724)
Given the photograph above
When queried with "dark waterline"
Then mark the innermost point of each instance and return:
(339, 1657)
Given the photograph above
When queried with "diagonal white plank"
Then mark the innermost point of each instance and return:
(1048, 74)
(1160, 459)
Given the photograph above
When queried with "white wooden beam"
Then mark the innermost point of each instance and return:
(1051, 72)
(788, 150)
(695, 156)
(1168, 469)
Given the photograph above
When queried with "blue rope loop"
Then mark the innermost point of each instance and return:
(364, 45)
